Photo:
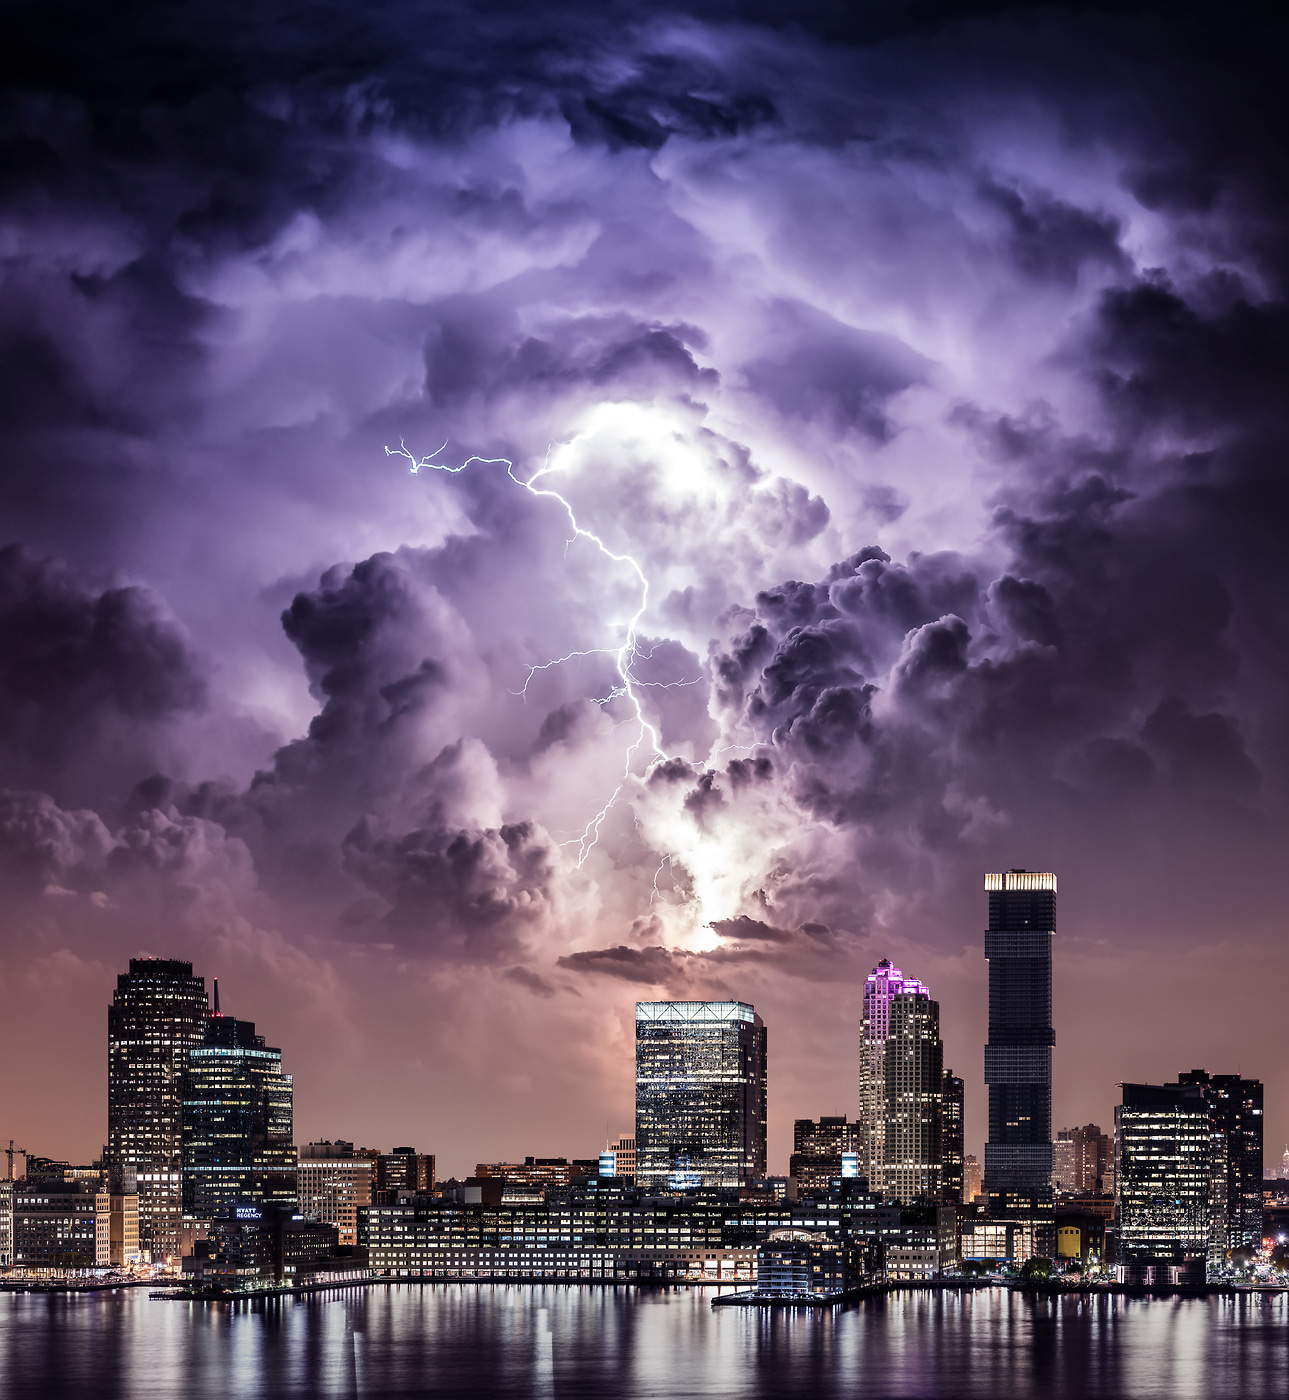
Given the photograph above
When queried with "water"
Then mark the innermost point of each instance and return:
(564, 1341)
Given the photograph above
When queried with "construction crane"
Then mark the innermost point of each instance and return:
(9, 1152)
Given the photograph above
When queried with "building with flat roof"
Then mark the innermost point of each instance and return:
(818, 1149)
(953, 1115)
(238, 1121)
(1162, 1177)
(334, 1182)
(700, 1094)
(158, 1013)
(1018, 1057)
(1235, 1116)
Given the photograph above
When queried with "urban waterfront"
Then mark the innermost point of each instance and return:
(568, 1341)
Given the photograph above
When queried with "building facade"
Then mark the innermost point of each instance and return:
(914, 1068)
(700, 1094)
(1018, 1057)
(54, 1225)
(238, 1120)
(1235, 1116)
(334, 1183)
(405, 1169)
(818, 1148)
(971, 1179)
(1163, 1173)
(1082, 1161)
(158, 1013)
(116, 1230)
(883, 984)
(953, 1114)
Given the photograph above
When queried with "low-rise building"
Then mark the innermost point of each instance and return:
(54, 1225)
(116, 1230)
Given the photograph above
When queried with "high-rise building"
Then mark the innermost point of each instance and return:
(334, 1182)
(700, 1094)
(914, 1066)
(1162, 1177)
(884, 983)
(7, 1188)
(238, 1123)
(116, 1230)
(623, 1149)
(1235, 1116)
(159, 1011)
(818, 1146)
(952, 1138)
(970, 1179)
(1018, 1057)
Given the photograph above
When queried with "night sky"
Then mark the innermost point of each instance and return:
(929, 363)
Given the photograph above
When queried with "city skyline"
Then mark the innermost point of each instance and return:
(649, 508)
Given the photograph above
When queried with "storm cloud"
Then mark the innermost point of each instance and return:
(849, 455)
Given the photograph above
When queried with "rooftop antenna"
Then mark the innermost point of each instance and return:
(217, 1010)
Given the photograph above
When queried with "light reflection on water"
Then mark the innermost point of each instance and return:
(566, 1341)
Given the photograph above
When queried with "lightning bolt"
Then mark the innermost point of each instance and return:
(625, 656)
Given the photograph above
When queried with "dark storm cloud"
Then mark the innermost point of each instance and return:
(964, 323)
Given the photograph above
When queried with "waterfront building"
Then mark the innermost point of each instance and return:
(1018, 1057)
(158, 1013)
(1162, 1176)
(970, 1179)
(116, 1230)
(805, 1264)
(819, 1147)
(238, 1125)
(883, 984)
(54, 1225)
(1235, 1117)
(700, 1094)
(334, 1183)
(7, 1188)
(953, 1112)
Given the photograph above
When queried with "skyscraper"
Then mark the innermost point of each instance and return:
(1162, 1176)
(700, 1094)
(238, 1127)
(158, 1012)
(952, 1139)
(884, 983)
(914, 1067)
(1235, 1115)
(1018, 1057)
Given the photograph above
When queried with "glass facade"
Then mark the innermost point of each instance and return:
(818, 1149)
(1018, 1057)
(158, 1013)
(700, 1094)
(1235, 1117)
(1162, 1176)
(238, 1128)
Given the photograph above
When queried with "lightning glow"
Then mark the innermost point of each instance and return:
(625, 655)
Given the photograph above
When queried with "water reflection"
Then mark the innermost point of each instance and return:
(564, 1341)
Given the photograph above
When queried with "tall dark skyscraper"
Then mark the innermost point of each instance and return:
(953, 1100)
(238, 1131)
(700, 1094)
(158, 1012)
(1018, 1057)
(1235, 1115)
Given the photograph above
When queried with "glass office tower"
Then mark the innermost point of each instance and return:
(1018, 1057)
(1163, 1172)
(914, 1068)
(1235, 1118)
(158, 1012)
(238, 1129)
(700, 1094)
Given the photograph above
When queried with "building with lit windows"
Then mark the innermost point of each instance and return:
(116, 1230)
(953, 1107)
(1235, 1117)
(914, 1067)
(1018, 1057)
(158, 1013)
(971, 1180)
(54, 1225)
(700, 1094)
(405, 1169)
(818, 1148)
(7, 1189)
(883, 984)
(1162, 1176)
(334, 1183)
(238, 1125)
